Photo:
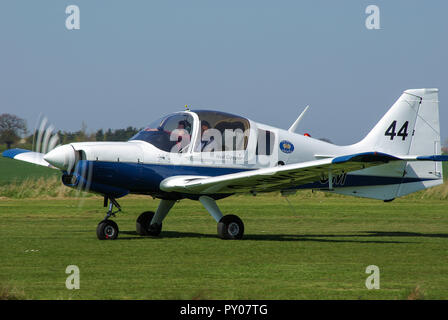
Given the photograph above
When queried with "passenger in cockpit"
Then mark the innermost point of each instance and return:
(204, 127)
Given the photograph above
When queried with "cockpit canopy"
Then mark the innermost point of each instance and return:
(221, 131)
(207, 130)
(167, 132)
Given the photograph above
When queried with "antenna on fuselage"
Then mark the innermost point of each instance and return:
(296, 123)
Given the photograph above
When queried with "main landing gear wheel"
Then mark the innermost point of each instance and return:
(107, 230)
(144, 227)
(230, 227)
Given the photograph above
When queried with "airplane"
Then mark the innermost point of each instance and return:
(206, 155)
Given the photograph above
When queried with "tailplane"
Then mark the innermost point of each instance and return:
(410, 128)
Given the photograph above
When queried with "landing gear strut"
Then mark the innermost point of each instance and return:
(108, 229)
(230, 227)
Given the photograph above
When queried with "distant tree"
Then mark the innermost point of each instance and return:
(81, 135)
(99, 136)
(119, 134)
(11, 128)
(108, 136)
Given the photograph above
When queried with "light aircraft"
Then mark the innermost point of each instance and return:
(209, 155)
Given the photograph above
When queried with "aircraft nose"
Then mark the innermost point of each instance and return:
(62, 157)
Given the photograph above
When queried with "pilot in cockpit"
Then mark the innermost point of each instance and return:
(182, 132)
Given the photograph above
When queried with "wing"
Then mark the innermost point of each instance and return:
(276, 178)
(27, 156)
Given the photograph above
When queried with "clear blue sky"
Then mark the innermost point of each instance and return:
(133, 61)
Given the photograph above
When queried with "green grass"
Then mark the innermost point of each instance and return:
(445, 170)
(318, 249)
(13, 171)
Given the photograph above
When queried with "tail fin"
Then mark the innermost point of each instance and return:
(411, 126)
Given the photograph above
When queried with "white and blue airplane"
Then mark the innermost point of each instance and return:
(209, 155)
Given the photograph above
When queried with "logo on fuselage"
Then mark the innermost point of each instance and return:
(286, 146)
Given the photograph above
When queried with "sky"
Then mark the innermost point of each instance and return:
(131, 62)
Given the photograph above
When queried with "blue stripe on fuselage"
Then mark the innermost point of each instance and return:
(144, 178)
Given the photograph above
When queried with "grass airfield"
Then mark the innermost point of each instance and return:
(316, 248)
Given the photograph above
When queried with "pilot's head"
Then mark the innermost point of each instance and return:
(184, 124)
(181, 125)
(204, 126)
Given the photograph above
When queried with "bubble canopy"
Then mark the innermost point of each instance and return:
(174, 132)
(167, 132)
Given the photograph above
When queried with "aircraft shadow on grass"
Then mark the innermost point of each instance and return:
(299, 237)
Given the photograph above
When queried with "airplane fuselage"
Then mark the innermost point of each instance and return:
(120, 168)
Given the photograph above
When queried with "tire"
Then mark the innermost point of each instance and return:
(107, 230)
(155, 229)
(144, 227)
(143, 222)
(230, 227)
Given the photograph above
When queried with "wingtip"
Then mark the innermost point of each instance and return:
(11, 153)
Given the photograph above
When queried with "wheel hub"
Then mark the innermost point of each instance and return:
(233, 229)
(109, 231)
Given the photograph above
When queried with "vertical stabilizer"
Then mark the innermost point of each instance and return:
(409, 127)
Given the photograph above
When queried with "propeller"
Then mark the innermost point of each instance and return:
(65, 157)
(44, 139)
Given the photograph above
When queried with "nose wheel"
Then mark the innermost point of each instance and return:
(108, 229)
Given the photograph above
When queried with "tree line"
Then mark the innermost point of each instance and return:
(13, 132)
(100, 135)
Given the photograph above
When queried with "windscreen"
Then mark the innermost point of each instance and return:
(171, 133)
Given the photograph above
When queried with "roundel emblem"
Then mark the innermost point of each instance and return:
(286, 146)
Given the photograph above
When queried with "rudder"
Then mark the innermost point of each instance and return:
(425, 141)
(410, 127)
